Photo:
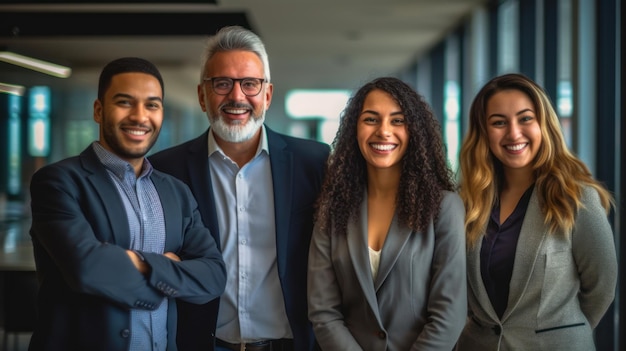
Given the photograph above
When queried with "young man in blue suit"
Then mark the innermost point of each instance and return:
(115, 241)
(256, 190)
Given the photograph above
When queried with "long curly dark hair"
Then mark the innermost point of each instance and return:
(425, 171)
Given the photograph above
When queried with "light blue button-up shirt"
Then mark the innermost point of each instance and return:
(252, 307)
(147, 233)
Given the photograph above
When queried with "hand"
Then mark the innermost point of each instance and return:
(141, 266)
(172, 256)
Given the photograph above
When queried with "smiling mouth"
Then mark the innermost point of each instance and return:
(384, 147)
(136, 132)
(516, 147)
(238, 111)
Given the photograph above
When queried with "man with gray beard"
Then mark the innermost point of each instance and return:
(256, 190)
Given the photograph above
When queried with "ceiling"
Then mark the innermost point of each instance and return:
(336, 44)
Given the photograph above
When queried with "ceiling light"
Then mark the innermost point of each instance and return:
(12, 89)
(35, 64)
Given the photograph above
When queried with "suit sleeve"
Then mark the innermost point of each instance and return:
(594, 252)
(200, 276)
(64, 214)
(447, 303)
(325, 298)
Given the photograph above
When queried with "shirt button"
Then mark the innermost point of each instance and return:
(497, 330)
(125, 333)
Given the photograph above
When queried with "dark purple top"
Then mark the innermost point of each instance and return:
(497, 253)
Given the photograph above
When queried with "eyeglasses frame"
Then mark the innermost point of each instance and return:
(235, 80)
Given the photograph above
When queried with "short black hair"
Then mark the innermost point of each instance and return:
(127, 65)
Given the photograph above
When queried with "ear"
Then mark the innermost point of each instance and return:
(269, 91)
(97, 111)
(201, 95)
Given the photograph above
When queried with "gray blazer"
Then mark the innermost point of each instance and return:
(418, 300)
(561, 286)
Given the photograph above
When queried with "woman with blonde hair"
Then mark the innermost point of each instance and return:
(541, 261)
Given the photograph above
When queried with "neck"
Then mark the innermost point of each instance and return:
(242, 152)
(518, 179)
(383, 182)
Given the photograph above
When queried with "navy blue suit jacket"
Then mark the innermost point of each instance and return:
(88, 284)
(298, 167)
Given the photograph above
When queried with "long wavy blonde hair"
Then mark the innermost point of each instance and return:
(559, 175)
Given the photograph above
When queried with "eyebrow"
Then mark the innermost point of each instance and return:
(378, 114)
(127, 96)
(517, 113)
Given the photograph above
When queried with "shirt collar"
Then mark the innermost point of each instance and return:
(263, 145)
(116, 165)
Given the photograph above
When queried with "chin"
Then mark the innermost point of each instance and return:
(237, 133)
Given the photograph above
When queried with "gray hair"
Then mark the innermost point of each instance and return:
(233, 38)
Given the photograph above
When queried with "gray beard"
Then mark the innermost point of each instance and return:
(236, 133)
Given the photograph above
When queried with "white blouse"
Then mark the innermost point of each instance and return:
(374, 261)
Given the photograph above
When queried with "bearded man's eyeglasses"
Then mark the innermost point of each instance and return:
(224, 85)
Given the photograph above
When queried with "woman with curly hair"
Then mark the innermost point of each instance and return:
(541, 260)
(387, 257)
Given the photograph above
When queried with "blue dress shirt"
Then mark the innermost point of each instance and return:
(252, 307)
(147, 227)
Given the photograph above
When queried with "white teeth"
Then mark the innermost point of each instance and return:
(236, 112)
(516, 147)
(136, 132)
(384, 147)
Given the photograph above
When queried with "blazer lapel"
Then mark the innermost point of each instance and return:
(170, 211)
(359, 255)
(395, 241)
(201, 184)
(281, 161)
(475, 280)
(106, 190)
(531, 238)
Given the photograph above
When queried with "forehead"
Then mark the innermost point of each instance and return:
(235, 64)
(377, 99)
(509, 96)
(135, 83)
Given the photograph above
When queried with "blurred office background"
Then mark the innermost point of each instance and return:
(320, 51)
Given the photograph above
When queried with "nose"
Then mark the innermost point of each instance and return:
(236, 93)
(384, 129)
(514, 130)
(139, 113)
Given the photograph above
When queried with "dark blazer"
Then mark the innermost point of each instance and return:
(88, 284)
(297, 171)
